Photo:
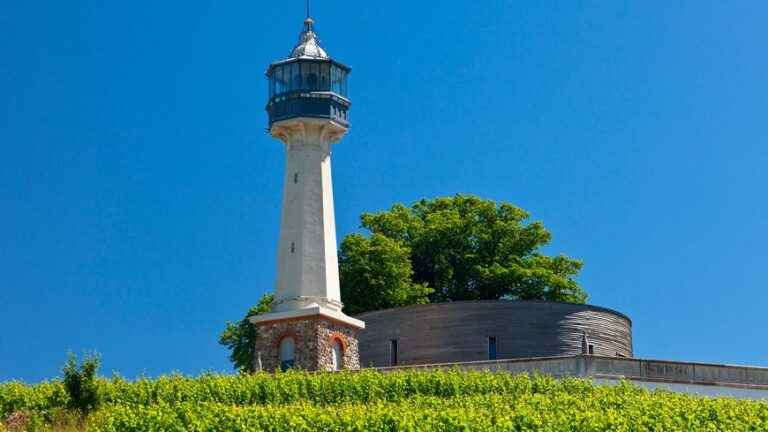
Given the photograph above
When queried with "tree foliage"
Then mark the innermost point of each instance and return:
(80, 382)
(376, 274)
(461, 248)
(240, 337)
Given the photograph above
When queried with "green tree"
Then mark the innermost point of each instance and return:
(80, 382)
(467, 248)
(240, 337)
(376, 273)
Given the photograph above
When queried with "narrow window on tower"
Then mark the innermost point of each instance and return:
(492, 348)
(393, 352)
(295, 178)
(287, 348)
(337, 355)
(293, 247)
(591, 350)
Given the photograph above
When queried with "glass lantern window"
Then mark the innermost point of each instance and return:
(278, 76)
(295, 77)
(273, 82)
(307, 76)
(280, 84)
(286, 77)
(338, 80)
(304, 76)
(325, 79)
(334, 74)
(280, 81)
(314, 76)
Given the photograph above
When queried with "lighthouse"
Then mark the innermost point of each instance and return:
(308, 112)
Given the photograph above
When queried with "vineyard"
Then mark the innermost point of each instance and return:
(373, 401)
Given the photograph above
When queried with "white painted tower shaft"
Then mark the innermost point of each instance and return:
(308, 271)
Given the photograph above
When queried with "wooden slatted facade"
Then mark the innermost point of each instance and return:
(462, 332)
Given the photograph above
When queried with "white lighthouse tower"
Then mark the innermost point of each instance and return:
(308, 106)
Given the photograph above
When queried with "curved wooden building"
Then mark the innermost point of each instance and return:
(489, 330)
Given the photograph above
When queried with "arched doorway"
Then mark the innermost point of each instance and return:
(287, 351)
(337, 355)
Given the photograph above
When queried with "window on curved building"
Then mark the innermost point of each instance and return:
(337, 355)
(492, 348)
(287, 351)
(393, 357)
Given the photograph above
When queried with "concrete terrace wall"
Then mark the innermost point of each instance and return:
(693, 378)
(459, 331)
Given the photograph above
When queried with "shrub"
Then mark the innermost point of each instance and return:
(81, 384)
(16, 396)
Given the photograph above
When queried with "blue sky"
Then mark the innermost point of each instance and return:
(140, 193)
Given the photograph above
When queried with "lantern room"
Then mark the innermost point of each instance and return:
(308, 84)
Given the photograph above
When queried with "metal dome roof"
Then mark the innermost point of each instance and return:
(309, 45)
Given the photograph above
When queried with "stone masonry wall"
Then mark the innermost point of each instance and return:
(313, 338)
(327, 332)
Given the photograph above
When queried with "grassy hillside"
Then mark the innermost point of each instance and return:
(371, 401)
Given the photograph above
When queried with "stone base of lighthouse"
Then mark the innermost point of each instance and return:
(314, 337)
